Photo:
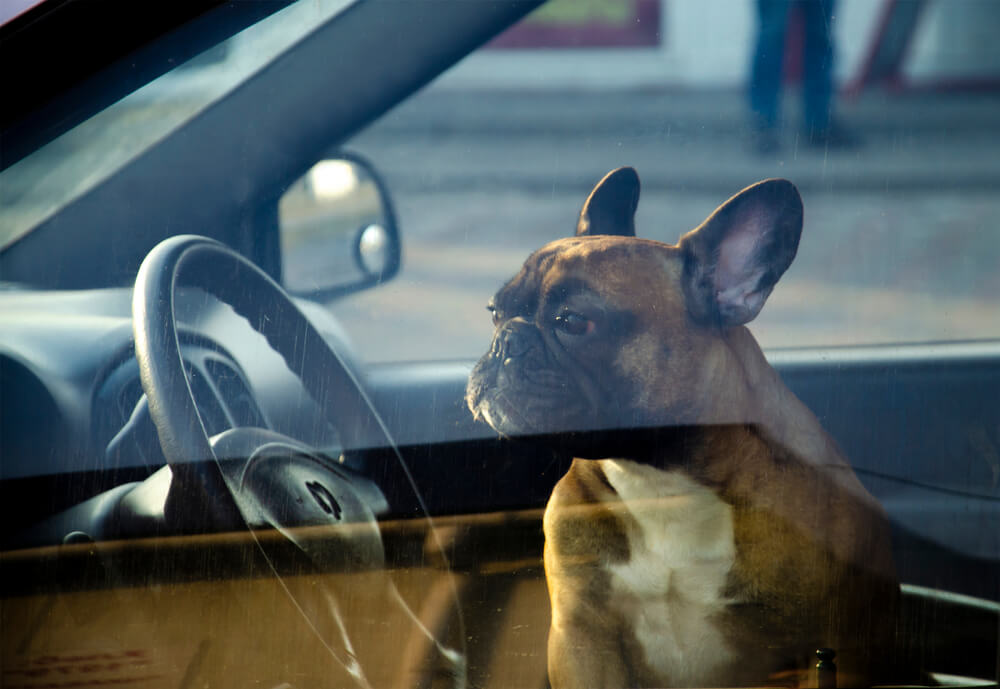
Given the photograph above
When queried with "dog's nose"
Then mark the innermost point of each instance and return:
(514, 339)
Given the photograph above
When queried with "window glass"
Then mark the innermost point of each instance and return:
(34, 188)
(495, 158)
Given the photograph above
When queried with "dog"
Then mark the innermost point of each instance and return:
(708, 532)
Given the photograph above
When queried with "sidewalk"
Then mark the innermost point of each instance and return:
(449, 140)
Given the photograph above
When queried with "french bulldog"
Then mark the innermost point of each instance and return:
(715, 535)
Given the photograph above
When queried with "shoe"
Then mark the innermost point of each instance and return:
(834, 136)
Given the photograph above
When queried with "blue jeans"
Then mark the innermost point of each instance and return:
(769, 58)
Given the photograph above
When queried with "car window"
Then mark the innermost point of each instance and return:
(493, 160)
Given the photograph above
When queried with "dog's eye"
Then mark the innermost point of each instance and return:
(574, 323)
(491, 307)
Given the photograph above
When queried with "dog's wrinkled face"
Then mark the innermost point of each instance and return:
(604, 330)
(570, 347)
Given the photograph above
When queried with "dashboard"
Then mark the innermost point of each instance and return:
(75, 421)
(72, 381)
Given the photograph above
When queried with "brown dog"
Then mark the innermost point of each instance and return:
(723, 548)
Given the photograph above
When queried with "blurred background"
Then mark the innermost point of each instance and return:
(902, 233)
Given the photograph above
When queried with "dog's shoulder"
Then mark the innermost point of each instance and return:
(673, 537)
(585, 482)
(623, 514)
(583, 519)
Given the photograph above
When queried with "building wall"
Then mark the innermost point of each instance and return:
(707, 43)
(959, 42)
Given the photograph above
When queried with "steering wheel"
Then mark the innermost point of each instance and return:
(232, 279)
(283, 483)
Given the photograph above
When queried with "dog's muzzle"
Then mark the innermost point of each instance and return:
(515, 339)
(519, 387)
(502, 366)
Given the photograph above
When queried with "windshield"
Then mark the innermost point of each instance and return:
(38, 186)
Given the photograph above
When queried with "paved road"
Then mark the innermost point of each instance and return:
(902, 238)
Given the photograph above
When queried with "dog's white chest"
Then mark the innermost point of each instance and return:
(682, 549)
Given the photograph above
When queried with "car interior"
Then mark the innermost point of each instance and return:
(204, 484)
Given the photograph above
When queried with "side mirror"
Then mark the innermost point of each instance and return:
(338, 230)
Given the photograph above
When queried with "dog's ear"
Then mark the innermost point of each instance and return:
(733, 259)
(610, 208)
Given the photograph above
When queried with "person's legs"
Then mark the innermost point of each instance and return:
(817, 65)
(768, 60)
(820, 127)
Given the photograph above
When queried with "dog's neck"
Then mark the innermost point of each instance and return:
(736, 437)
(745, 465)
(756, 395)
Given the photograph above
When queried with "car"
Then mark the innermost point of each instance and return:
(211, 472)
